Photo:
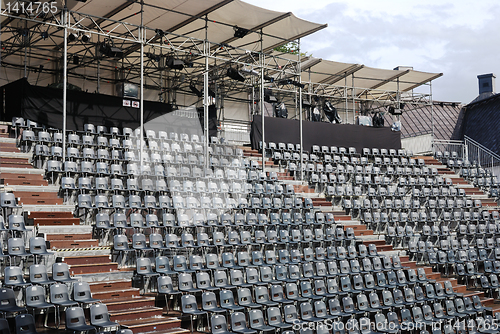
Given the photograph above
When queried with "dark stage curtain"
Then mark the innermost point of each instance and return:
(44, 105)
(279, 130)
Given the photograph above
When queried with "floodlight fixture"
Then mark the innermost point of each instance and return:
(72, 37)
(175, 63)
(85, 38)
(240, 32)
(44, 34)
(235, 74)
(159, 32)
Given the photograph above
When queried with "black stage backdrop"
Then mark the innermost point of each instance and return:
(44, 105)
(280, 130)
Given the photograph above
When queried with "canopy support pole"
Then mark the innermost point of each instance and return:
(206, 50)
(300, 113)
(65, 78)
(353, 100)
(261, 101)
(141, 40)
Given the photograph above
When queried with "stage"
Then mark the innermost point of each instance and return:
(281, 130)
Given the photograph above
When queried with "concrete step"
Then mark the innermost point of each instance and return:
(116, 294)
(68, 237)
(48, 207)
(92, 268)
(136, 313)
(50, 214)
(56, 221)
(13, 170)
(86, 259)
(152, 324)
(68, 244)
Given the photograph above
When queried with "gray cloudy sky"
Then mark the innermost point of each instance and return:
(458, 38)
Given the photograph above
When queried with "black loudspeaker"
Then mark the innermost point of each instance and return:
(175, 64)
(76, 60)
(235, 74)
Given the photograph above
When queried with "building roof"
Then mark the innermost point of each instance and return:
(482, 121)
(447, 116)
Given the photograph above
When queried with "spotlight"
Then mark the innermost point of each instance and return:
(269, 97)
(268, 78)
(44, 35)
(297, 84)
(152, 56)
(109, 50)
(240, 32)
(235, 74)
(72, 37)
(393, 111)
(250, 71)
(160, 32)
(195, 90)
(85, 38)
(174, 63)
(285, 82)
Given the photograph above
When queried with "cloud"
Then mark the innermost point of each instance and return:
(452, 37)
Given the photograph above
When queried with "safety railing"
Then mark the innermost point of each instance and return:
(482, 156)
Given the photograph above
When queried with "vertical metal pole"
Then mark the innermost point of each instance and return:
(206, 49)
(261, 101)
(25, 41)
(65, 78)
(98, 66)
(300, 113)
(345, 96)
(141, 39)
(353, 101)
(432, 110)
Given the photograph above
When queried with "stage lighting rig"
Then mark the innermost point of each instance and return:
(175, 63)
(72, 37)
(108, 49)
(85, 38)
(240, 32)
(235, 74)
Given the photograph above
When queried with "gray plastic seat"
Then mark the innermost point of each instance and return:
(38, 275)
(75, 320)
(60, 273)
(99, 317)
(82, 294)
(189, 306)
(8, 302)
(239, 323)
(13, 277)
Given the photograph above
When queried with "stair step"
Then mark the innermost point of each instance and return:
(50, 214)
(93, 268)
(56, 221)
(65, 244)
(125, 303)
(136, 313)
(68, 237)
(151, 324)
(51, 201)
(116, 294)
(88, 259)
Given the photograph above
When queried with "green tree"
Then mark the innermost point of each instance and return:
(291, 48)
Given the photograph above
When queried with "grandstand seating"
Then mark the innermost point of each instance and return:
(242, 250)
